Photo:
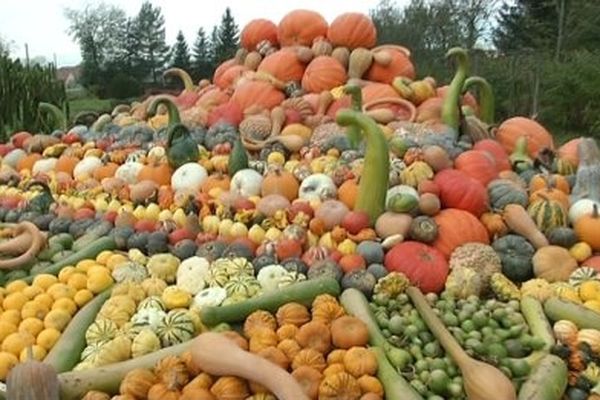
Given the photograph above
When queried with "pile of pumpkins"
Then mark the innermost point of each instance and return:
(317, 149)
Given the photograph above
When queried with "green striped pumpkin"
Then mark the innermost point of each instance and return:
(583, 274)
(153, 303)
(148, 318)
(243, 286)
(176, 327)
(101, 330)
(90, 353)
(547, 214)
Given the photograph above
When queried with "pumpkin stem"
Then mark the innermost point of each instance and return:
(58, 116)
(520, 158)
(188, 83)
(595, 211)
(486, 97)
(374, 185)
(451, 102)
(353, 131)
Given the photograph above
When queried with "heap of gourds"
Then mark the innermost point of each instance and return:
(312, 162)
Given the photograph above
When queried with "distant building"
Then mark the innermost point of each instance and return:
(69, 75)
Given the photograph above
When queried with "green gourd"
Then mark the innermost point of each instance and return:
(238, 159)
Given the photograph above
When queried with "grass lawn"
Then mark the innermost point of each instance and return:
(90, 104)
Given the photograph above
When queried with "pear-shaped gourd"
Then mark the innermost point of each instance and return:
(32, 380)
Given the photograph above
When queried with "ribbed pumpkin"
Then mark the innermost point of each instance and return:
(458, 190)
(547, 214)
(457, 227)
(323, 73)
(496, 150)
(552, 194)
(280, 181)
(352, 30)
(256, 31)
(514, 128)
(283, 65)
(176, 327)
(543, 181)
(159, 173)
(300, 28)
(503, 192)
(478, 165)
(401, 65)
(257, 93)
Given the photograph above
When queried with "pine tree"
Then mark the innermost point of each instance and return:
(227, 37)
(181, 53)
(150, 32)
(202, 66)
(214, 45)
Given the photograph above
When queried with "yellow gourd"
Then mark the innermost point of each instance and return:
(145, 342)
(118, 349)
(57, 319)
(48, 338)
(7, 362)
(99, 281)
(175, 297)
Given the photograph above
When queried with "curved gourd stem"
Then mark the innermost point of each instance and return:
(188, 83)
(375, 176)
(353, 132)
(172, 110)
(451, 103)
(101, 123)
(58, 116)
(487, 106)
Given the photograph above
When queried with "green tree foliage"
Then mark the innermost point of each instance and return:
(202, 66)
(151, 44)
(226, 40)
(180, 53)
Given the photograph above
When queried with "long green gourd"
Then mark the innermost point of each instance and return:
(353, 131)
(451, 103)
(374, 179)
(487, 103)
(58, 116)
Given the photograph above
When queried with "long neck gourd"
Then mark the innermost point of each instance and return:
(487, 106)
(353, 131)
(451, 102)
(59, 120)
(375, 175)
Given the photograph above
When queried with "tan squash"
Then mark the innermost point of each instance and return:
(519, 221)
(553, 263)
(259, 318)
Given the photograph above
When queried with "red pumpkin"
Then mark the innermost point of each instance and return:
(496, 150)
(229, 112)
(352, 30)
(512, 129)
(593, 262)
(230, 76)
(180, 234)
(5, 149)
(569, 151)
(425, 266)
(401, 65)
(323, 73)
(256, 31)
(478, 165)
(458, 190)
(457, 227)
(18, 139)
(283, 65)
(257, 93)
(300, 28)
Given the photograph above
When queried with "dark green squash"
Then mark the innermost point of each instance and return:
(504, 191)
(361, 280)
(562, 236)
(181, 147)
(423, 229)
(516, 255)
(238, 158)
(42, 202)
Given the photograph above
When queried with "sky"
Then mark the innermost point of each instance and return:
(42, 24)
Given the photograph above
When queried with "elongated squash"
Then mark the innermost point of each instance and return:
(66, 352)
(301, 292)
(557, 309)
(548, 380)
(533, 311)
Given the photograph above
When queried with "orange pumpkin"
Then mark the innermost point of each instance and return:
(347, 192)
(66, 163)
(401, 65)
(300, 28)
(569, 152)
(494, 223)
(430, 110)
(352, 30)
(256, 31)
(28, 161)
(550, 194)
(165, 197)
(257, 93)
(457, 227)
(231, 75)
(159, 173)
(216, 180)
(544, 181)
(280, 181)
(323, 73)
(106, 171)
(512, 129)
(221, 69)
(478, 164)
(283, 65)
(587, 229)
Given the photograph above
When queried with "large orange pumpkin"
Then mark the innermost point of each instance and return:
(221, 69)
(28, 161)
(106, 171)
(323, 73)
(457, 227)
(300, 28)
(512, 129)
(159, 173)
(256, 31)
(569, 151)
(375, 91)
(216, 180)
(283, 65)
(282, 182)
(230, 76)
(260, 93)
(66, 164)
(401, 65)
(478, 164)
(352, 30)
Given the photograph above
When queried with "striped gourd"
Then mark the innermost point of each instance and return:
(148, 318)
(547, 214)
(101, 330)
(583, 274)
(91, 351)
(145, 342)
(243, 286)
(153, 303)
(176, 327)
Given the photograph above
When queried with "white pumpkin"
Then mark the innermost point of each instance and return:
(246, 182)
(157, 153)
(44, 165)
(129, 171)
(188, 177)
(580, 208)
(13, 157)
(317, 187)
(86, 166)
(401, 189)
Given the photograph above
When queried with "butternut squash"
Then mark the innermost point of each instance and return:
(519, 221)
